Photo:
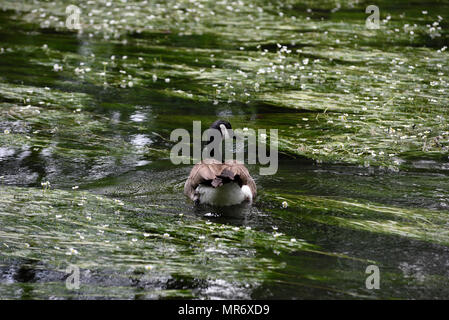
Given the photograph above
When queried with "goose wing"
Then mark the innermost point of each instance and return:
(241, 173)
(202, 172)
(216, 173)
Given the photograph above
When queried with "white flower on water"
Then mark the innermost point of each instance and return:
(119, 202)
(284, 204)
(80, 235)
(45, 184)
(57, 67)
(72, 251)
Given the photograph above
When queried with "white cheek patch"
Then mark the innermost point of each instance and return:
(224, 131)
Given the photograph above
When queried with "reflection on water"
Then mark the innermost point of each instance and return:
(6, 152)
(138, 116)
(140, 141)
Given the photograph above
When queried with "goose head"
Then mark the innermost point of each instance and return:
(225, 130)
(223, 126)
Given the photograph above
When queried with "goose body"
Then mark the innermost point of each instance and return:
(227, 195)
(220, 183)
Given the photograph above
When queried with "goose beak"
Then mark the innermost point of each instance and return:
(224, 131)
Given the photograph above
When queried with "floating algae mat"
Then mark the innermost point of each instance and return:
(86, 178)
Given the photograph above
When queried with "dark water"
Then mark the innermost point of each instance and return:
(363, 162)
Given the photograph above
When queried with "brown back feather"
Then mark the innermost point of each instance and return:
(216, 173)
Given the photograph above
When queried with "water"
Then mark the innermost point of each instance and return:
(363, 140)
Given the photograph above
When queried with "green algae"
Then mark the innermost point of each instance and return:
(56, 228)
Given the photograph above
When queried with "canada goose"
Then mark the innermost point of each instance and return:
(220, 183)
